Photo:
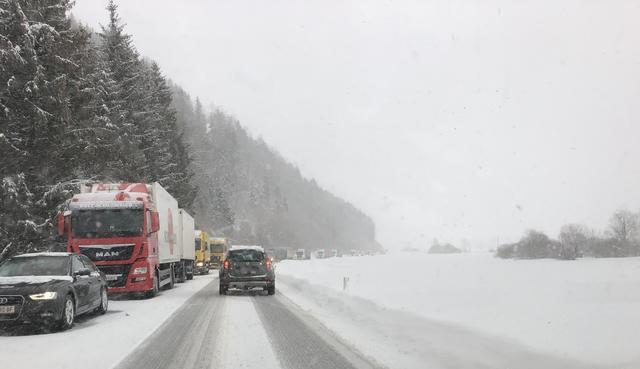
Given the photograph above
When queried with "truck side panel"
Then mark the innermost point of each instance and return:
(187, 236)
(169, 219)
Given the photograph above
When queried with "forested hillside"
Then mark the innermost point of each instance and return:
(78, 105)
(248, 192)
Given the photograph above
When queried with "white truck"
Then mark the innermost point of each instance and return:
(186, 234)
(134, 232)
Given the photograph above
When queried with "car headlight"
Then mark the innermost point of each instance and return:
(44, 296)
(141, 270)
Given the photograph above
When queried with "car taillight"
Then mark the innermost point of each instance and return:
(268, 264)
(226, 264)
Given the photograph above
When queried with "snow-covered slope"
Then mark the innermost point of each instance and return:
(584, 310)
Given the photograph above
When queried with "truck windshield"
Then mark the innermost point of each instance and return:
(104, 223)
(217, 248)
(197, 244)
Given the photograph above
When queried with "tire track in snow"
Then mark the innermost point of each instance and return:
(300, 342)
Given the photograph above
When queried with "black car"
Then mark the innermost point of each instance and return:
(50, 289)
(245, 268)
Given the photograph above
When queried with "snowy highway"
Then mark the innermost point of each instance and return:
(313, 322)
(242, 331)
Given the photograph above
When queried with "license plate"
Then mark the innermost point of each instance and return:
(113, 277)
(8, 309)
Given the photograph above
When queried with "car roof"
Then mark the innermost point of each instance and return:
(44, 254)
(246, 247)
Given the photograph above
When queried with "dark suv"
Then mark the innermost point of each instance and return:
(245, 268)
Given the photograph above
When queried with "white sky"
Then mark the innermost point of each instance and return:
(438, 118)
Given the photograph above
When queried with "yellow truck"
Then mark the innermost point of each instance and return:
(219, 248)
(203, 253)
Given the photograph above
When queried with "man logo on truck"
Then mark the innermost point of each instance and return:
(107, 254)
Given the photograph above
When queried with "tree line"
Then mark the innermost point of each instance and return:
(248, 192)
(620, 239)
(80, 106)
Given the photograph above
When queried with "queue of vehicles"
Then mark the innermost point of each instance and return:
(127, 238)
(120, 238)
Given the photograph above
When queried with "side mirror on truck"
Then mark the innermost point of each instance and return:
(60, 221)
(61, 227)
(155, 222)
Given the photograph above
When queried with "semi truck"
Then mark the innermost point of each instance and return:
(203, 252)
(219, 247)
(134, 232)
(279, 253)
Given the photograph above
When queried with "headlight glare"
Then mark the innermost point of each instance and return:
(44, 296)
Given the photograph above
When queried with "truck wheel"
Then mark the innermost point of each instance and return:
(183, 274)
(189, 276)
(271, 290)
(172, 281)
(156, 288)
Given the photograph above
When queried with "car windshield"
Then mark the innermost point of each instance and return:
(107, 223)
(248, 255)
(35, 266)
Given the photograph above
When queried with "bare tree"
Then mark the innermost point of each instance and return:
(574, 239)
(624, 226)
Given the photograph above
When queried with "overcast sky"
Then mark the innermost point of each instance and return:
(448, 119)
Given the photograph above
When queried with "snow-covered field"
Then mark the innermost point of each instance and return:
(410, 308)
(98, 342)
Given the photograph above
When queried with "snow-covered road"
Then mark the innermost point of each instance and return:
(98, 342)
(242, 331)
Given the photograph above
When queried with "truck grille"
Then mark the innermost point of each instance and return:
(17, 301)
(121, 273)
(107, 252)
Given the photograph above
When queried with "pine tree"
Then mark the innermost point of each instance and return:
(164, 147)
(39, 74)
(126, 70)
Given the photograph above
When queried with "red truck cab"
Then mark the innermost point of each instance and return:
(116, 226)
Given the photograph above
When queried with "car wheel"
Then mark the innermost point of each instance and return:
(68, 313)
(271, 290)
(104, 302)
(222, 289)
